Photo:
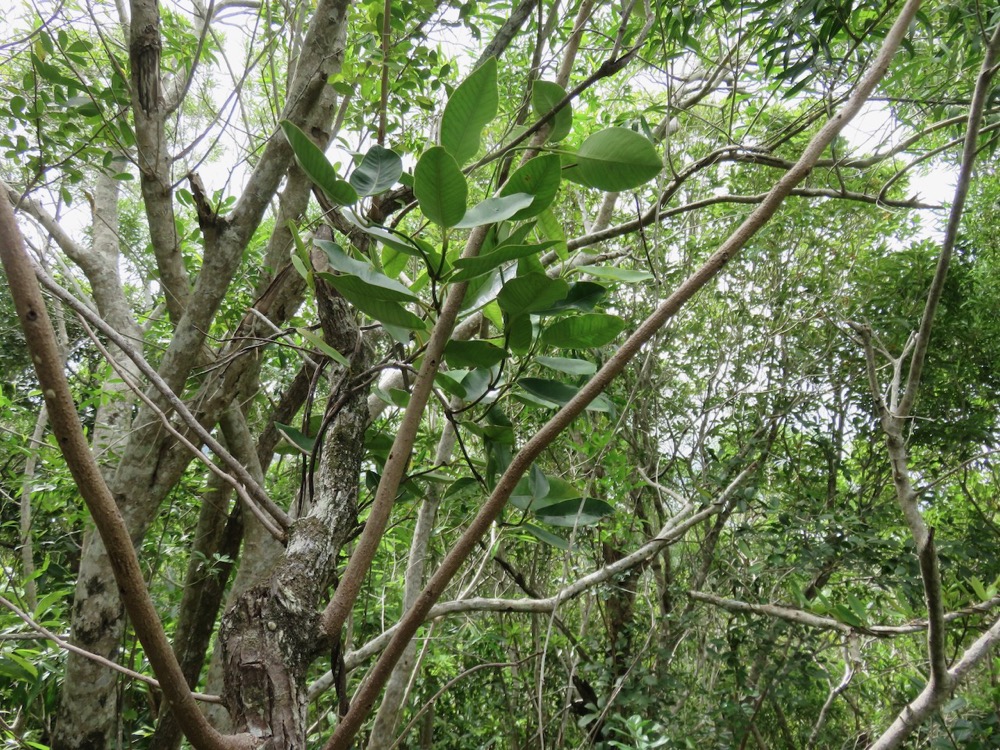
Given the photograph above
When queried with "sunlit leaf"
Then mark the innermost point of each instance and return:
(583, 331)
(377, 172)
(471, 107)
(440, 187)
(317, 167)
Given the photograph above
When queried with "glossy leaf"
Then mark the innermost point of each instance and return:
(539, 177)
(617, 159)
(440, 187)
(493, 210)
(583, 331)
(471, 107)
(544, 96)
(377, 172)
(531, 292)
(317, 167)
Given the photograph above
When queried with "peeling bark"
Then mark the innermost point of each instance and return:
(271, 635)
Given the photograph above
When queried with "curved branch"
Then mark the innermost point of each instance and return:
(411, 621)
(66, 426)
(48, 635)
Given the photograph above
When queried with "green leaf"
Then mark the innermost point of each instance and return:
(317, 167)
(539, 177)
(520, 333)
(324, 347)
(553, 394)
(573, 513)
(544, 96)
(617, 159)
(471, 267)
(378, 171)
(472, 354)
(451, 382)
(463, 487)
(550, 228)
(531, 292)
(583, 331)
(568, 365)
(383, 286)
(440, 187)
(978, 589)
(302, 442)
(546, 537)
(846, 615)
(492, 210)
(617, 274)
(388, 237)
(471, 107)
(582, 296)
(386, 311)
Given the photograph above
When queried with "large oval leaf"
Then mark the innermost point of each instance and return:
(617, 159)
(382, 286)
(539, 177)
(384, 311)
(544, 96)
(317, 167)
(440, 187)
(492, 210)
(553, 394)
(378, 171)
(469, 268)
(572, 513)
(470, 108)
(472, 354)
(568, 365)
(583, 331)
(531, 292)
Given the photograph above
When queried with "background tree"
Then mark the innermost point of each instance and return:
(535, 376)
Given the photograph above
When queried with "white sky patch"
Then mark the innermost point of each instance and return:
(875, 130)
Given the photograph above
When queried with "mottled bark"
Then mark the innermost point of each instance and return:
(271, 635)
(152, 157)
(151, 463)
(88, 708)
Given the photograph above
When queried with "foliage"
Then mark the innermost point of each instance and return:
(462, 214)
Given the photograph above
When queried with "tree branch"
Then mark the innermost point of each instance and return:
(66, 426)
(366, 696)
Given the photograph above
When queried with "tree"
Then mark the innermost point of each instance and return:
(377, 350)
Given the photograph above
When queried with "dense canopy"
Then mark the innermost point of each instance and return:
(491, 375)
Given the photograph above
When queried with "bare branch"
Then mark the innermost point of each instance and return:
(47, 634)
(66, 426)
